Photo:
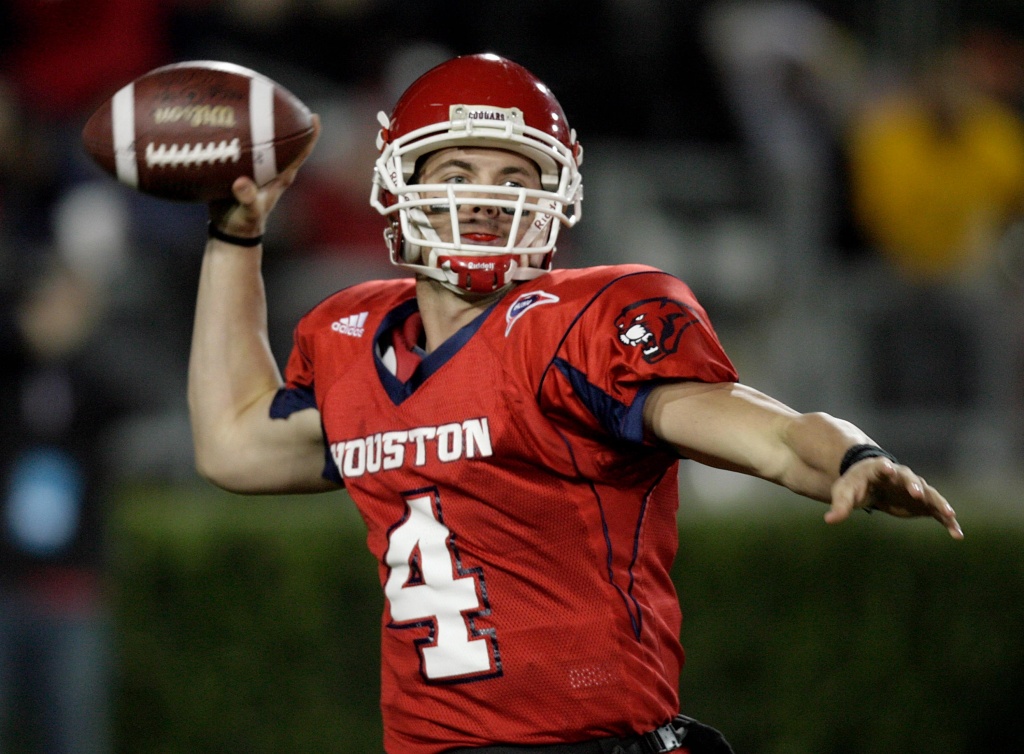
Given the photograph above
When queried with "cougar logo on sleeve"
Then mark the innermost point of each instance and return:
(654, 325)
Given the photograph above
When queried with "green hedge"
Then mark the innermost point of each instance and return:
(877, 636)
(251, 625)
(245, 625)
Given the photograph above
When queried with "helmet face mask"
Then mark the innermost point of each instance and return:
(479, 101)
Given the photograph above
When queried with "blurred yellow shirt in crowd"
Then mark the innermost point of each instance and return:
(935, 199)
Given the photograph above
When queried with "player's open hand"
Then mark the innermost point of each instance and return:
(246, 215)
(879, 484)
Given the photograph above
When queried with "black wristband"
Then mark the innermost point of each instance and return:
(860, 452)
(215, 232)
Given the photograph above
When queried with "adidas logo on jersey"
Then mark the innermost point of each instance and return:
(352, 325)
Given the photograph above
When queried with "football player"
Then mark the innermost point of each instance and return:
(509, 433)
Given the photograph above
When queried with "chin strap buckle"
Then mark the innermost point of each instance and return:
(479, 274)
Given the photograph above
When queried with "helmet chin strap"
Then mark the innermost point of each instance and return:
(536, 232)
(478, 274)
(418, 220)
(472, 274)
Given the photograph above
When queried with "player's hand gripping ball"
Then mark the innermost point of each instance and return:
(187, 131)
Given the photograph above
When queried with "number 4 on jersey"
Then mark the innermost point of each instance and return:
(427, 586)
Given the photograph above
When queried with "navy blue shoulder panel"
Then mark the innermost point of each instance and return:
(289, 400)
(618, 419)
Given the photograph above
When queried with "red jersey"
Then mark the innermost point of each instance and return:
(523, 527)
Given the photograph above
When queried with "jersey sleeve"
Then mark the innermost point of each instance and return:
(298, 371)
(641, 330)
(299, 392)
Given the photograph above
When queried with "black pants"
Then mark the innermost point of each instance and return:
(696, 738)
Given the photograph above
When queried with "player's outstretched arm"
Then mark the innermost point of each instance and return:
(735, 427)
(233, 375)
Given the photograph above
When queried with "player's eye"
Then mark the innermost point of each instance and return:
(511, 210)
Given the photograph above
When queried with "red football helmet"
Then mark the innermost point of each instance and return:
(479, 101)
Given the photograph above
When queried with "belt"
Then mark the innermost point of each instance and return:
(658, 741)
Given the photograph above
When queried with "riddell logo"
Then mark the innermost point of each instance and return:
(352, 325)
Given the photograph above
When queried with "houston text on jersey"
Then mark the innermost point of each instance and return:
(384, 451)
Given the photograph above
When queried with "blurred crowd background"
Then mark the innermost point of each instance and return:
(842, 184)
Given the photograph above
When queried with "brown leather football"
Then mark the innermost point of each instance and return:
(186, 131)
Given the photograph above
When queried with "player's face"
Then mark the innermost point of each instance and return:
(478, 223)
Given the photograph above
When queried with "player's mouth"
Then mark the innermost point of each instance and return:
(485, 239)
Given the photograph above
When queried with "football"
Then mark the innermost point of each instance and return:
(186, 131)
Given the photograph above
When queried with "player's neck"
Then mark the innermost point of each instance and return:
(445, 312)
